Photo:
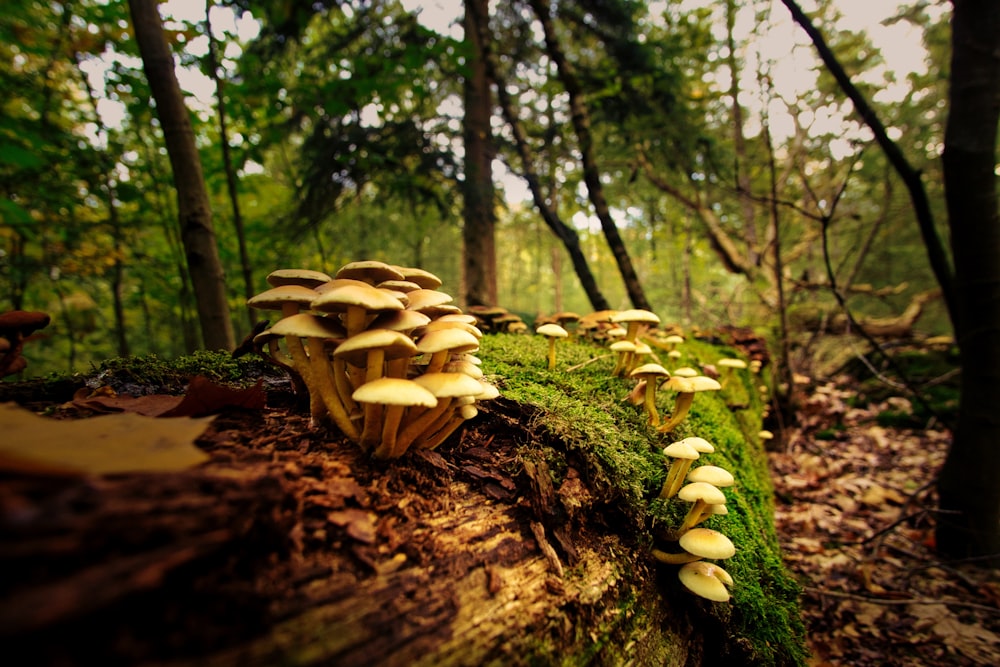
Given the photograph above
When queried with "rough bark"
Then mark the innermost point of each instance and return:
(197, 233)
(585, 142)
(563, 232)
(479, 221)
(969, 525)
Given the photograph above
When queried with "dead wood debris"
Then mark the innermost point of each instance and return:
(855, 516)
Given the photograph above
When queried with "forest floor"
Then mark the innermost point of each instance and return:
(854, 513)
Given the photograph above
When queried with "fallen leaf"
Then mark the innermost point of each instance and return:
(203, 397)
(119, 443)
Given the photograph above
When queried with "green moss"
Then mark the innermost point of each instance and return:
(580, 406)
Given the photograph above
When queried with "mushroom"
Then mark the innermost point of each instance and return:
(425, 279)
(15, 328)
(445, 387)
(552, 332)
(683, 455)
(370, 271)
(706, 580)
(672, 341)
(730, 366)
(465, 412)
(701, 494)
(396, 394)
(624, 350)
(302, 277)
(650, 374)
(698, 543)
(686, 388)
(717, 477)
(322, 392)
(444, 342)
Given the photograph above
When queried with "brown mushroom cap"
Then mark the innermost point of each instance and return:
(425, 279)
(305, 325)
(392, 343)
(22, 322)
(426, 299)
(276, 297)
(370, 271)
(454, 340)
(370, 298)
(302, 277)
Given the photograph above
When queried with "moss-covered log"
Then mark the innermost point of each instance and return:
(525, 540)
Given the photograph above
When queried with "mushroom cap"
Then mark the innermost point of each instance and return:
(450, 324)
(306, 325)
(714, 475)
(400, 320)
(552, 331)
(276, 297)
(341, 298)
(425, 279)
(673, 339)
(404, 286)
(685, 372)
(731, 363)
(681, 450)
(705, 579)
(622, 346)
(635, 315)
(700, 383)
(489, 392)
(426, 299)
(394, 344)
(370, 271)
(394, 391)
(566, 316)
(765, 435)
(464, 367)
(24, 322)
(678, 384)
(700, 444)
(455, 340)
(655, 370)
(702, 491)
(302, 277)
(616, 332)
(449, 385)
(707, 543)
(459, 317)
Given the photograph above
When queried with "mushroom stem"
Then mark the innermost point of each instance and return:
(649, 402)
(387, 448)
(324, 390)
(437, 362)
(424, 422)
(437, 438)
(374, 362)
(691, 520)
(552, 353)
(674, 559)
(681, 406)
(675, 477)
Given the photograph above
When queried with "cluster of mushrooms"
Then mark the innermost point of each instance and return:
(382, 352)
(702, 487)
(625, 333)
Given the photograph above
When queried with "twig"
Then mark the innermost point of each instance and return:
(587, 363)
(886, 601)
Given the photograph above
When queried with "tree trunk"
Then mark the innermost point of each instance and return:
(227, 164)
(551, 217)
(480, 265)
(591, 174)
(197, 234)
(969, 525)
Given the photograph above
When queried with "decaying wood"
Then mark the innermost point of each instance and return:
(898, 326)
(292, 547)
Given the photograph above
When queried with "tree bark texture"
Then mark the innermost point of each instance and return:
(292, 549)
(197, 233)
(563, 232)
(591, 174)
(969, 494)
(478, 230)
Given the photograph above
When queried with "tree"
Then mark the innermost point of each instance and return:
(479, 221)
(969, 523)
(197, 233)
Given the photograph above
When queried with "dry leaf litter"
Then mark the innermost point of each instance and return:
(855, 515)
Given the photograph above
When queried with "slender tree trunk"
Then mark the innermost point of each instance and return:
(565, 233)
(739, 140)
(227, 165)
(969, 525)
(591, 174)
(197, 234)
(478, 229)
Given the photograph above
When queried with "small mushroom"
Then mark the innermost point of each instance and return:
(650, 374)
(706, 580)
(686, 388)
(698, 543)
(683, 455)
(396, 394)
(700, 494)
(552, 332)
(729, 365)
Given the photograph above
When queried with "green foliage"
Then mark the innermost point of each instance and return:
(580, 406)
